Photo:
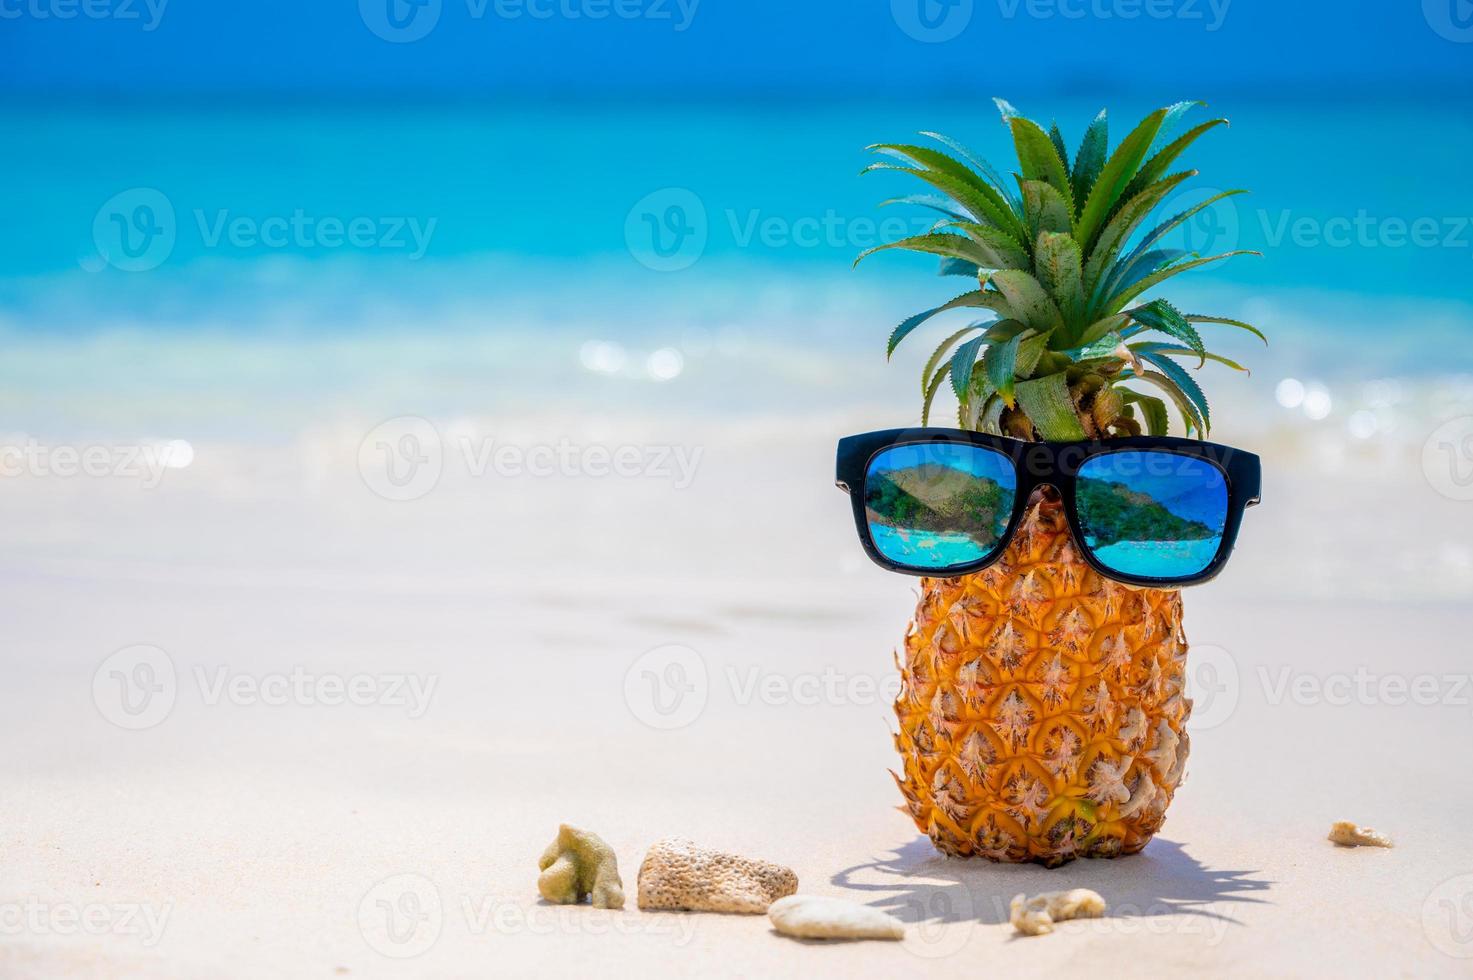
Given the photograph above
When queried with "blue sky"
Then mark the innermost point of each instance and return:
(479, 49)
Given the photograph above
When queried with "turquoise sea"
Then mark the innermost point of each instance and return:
(696, 257)
(925, 549)
(1160, 559)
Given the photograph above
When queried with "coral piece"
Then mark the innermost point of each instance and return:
(1036, 916)
(577, 865)
(813, 917)
(678, 875)
(1344, 833)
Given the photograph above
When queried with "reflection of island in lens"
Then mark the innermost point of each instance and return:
(936, 507)
(1141, 517)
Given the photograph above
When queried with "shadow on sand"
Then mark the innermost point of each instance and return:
(918, 885)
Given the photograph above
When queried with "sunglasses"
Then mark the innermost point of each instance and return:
(1147, 510)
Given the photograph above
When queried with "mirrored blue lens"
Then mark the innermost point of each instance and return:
(1152, 514)
(936, 505)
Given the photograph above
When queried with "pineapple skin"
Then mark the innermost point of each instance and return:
(1042, 707)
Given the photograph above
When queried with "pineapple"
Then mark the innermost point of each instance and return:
(1042, 712)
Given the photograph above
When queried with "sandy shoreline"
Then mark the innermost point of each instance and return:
(258, 832)
(522, 647)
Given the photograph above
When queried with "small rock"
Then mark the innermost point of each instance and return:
(1036, 916)
(812, 917)
(678, 875)
(1345, 833)
(579, 865)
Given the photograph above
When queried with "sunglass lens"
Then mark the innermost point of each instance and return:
(1152, 514)
(938, 505)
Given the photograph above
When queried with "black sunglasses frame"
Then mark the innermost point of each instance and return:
(1054, 464)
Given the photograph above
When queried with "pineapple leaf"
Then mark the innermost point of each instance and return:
(938, 162)
(1115, 176)
(1158, 423)
(990, 418)
(1101, 348)
(1038, 157)
(1003, 248)
(1058, 261)
(1131, 271)
(979, 394)
(1029, 301)
(1000, 364)
(1198, 318)
(931, 393)
(1047, 403)
(1120, 299)
(1005, 109)
(959, 267)
(1157, 165)
(1161, 315)
(961, 366)
(1103, 328)
(976, 299)
(1090, 158)
(969, 413)
(1178, 376)
(931, 201)
(1030, 352)
(980, 165)
(941, 351)
(1003, 330)
(930, 159)
(1057, 138)
(953, 246)
(1012, 357)
(1174, 113)
(1189, 413)
(1120, 227)
(1044, 208)
(1155, 347)
(1157, 233)
(985, 206)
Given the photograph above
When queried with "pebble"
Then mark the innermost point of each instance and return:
(815, 917)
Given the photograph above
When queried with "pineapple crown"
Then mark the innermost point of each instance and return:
(1051, 262)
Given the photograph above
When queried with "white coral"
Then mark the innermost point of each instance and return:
(681, 876)
(1345, 833)
(1036, 916)
(814, 917)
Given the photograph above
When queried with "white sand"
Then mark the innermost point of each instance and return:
(260, 837)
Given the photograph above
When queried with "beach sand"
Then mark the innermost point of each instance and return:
(711, 661)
